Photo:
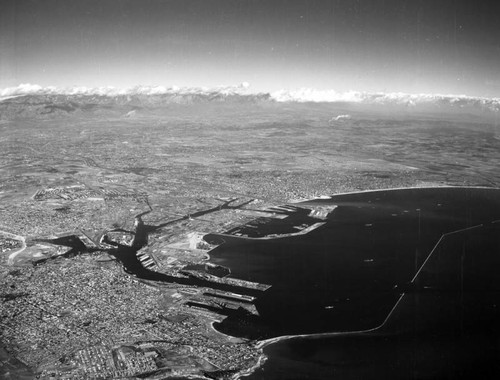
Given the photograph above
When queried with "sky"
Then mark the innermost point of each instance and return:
(417, 46)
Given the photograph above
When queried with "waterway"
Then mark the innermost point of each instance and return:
(397, 284)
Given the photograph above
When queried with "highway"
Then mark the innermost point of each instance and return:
(22, 239)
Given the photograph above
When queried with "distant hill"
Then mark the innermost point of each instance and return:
(31, 101)
(54, 105)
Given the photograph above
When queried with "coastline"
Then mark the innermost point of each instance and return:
(327, 197)
(262, 344)
(247, 372)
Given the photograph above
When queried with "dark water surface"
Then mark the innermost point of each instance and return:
(370, 267)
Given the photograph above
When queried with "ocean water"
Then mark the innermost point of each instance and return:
(399, 284)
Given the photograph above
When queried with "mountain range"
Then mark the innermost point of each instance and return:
(28, 101)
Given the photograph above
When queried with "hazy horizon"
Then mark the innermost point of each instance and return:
(445, 47)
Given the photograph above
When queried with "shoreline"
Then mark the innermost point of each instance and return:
(268, 342)
(329, 197)
(247, 372)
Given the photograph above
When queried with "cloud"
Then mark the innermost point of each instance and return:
(340, 117)
(33, 89)
(22, 89)
(303, 95)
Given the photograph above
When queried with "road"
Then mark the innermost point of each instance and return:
(22, 239)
